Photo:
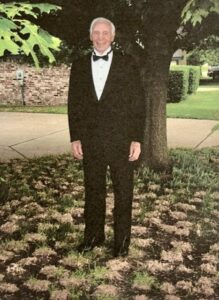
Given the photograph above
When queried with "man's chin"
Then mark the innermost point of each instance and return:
(101, 49)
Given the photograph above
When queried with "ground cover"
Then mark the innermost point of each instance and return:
(202, 105)
(175, 244)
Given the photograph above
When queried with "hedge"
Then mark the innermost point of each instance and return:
(194, 78)
(178, 84)
(183, 80)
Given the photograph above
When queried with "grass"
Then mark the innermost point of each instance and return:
(57, 109)
(144, 279)
(41, 224)
(202, 105)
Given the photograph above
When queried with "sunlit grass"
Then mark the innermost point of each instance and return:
(202, 105)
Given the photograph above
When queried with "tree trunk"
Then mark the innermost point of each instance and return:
(155, 151)
(160, 33)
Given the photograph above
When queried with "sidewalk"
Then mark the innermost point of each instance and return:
(25, 135)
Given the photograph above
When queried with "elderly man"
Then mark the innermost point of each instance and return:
(106, 121)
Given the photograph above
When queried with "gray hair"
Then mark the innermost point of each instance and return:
(102, 20)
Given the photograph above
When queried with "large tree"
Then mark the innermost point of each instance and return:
(148, 30)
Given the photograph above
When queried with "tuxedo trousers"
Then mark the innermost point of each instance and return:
(121, 172)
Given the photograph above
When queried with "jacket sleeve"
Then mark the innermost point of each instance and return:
(75, 105)
(137, 110)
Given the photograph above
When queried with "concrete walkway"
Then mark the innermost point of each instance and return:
(25, 135)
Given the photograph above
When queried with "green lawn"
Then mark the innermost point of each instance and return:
(57, 109)
(202, 105)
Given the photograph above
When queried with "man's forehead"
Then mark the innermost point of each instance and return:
(102, 24)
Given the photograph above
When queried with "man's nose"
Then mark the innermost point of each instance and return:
(100, 37)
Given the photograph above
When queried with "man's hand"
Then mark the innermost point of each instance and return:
(77, 150)
(135, 150)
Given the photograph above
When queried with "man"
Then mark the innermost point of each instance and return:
(106, 121)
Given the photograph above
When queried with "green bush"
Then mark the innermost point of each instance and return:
(183, 80)
(178, 84)
(194, 78)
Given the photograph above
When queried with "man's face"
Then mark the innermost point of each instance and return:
(102, 36)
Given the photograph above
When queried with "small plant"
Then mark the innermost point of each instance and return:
(190, 172)
(144, 176)
(143, 279)
(65, 202)
(97, 275)
(75, 294)
(60, 272)
(208, 205)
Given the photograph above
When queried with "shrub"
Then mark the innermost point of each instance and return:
(194, 77)
(178, 84)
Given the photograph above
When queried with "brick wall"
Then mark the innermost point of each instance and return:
(46, 86)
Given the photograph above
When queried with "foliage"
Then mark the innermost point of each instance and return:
(196, 10)
(183, 80)
(178, 84)
(193, 172)
(200, 56)
(19, 35)
(206, 52)
(194, 78)
(143, 279)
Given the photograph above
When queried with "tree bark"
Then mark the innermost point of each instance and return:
(162, 21)
(155, 150)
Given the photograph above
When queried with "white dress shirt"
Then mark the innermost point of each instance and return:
(100, 71)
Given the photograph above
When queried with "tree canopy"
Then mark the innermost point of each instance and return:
(196, 10)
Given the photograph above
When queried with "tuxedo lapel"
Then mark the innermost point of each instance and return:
(90, 81)
(110, 78)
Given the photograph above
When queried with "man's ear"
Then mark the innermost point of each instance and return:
(113, 37)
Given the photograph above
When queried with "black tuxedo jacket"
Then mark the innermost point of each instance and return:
(115, 120)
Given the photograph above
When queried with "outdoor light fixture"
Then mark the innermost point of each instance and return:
(20, 79)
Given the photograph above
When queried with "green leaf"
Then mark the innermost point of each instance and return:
(12, 10)
(19, 35)
(196, 10)
(15, 9)
(39, 37)
(46, 8)
(7, 37)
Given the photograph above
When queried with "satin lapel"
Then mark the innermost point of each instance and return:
(112, 73)
(91, 86)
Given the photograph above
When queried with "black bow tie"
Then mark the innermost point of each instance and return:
(104, 57)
